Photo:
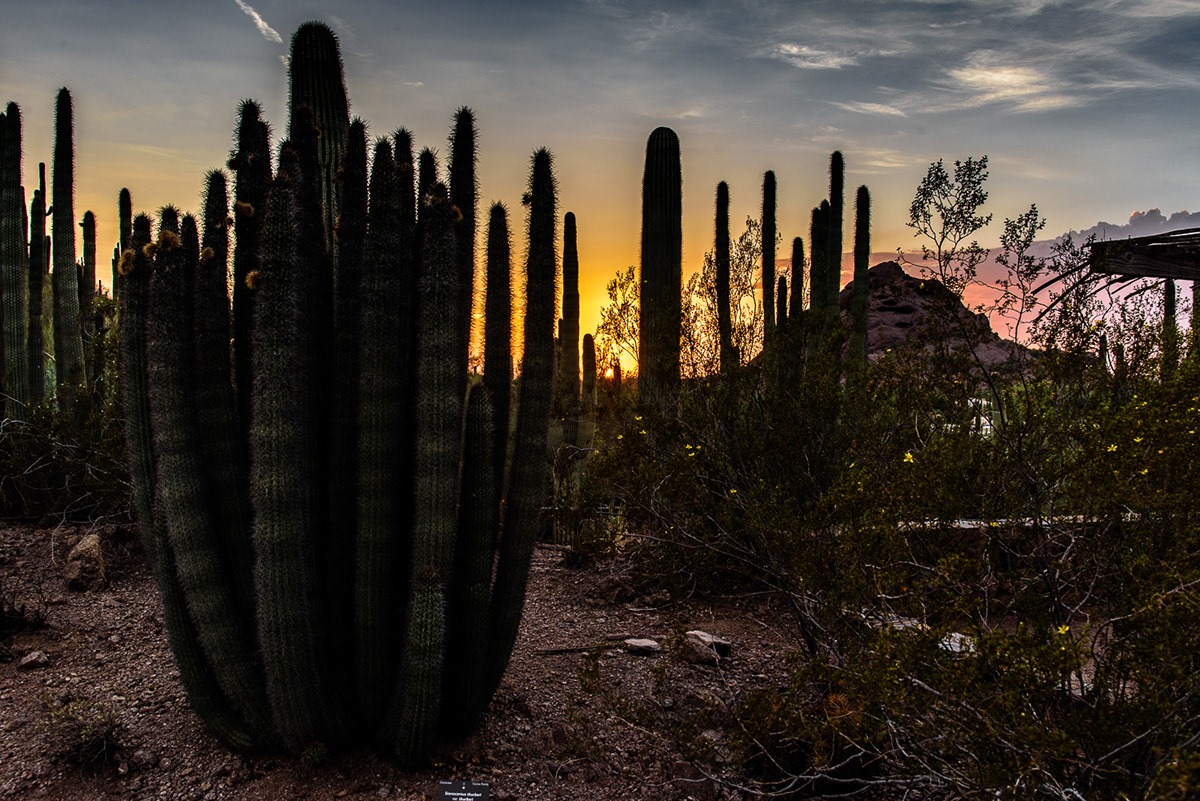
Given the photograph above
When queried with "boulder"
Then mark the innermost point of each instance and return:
(85, 565)
(702, 648)
(34, 660)
(640, 647)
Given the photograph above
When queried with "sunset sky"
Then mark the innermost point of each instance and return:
(1089, 109)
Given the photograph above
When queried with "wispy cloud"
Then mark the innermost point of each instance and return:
(269, 33)
(805, 57)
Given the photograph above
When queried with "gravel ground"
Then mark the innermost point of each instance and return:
(577, 717)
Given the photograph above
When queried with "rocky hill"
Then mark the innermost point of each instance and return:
(900, 309)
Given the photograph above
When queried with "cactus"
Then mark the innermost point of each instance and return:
(68, 341)
(818, 293)
(796, 301)
(255, 590)
(566, 395)
(497, 337)
(862, 280)
(464, 196)
(251, 163)
(721, 249)
(37, 274)
(834, 221)
(768, 255)
(317, 82)
(661, 268)
(14, 376)
(87, 275)
(781, 299)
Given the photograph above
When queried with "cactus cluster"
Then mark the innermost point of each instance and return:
(291, 524)
(26, 253)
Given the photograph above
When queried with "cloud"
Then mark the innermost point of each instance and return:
(873, 108)
(269, 33)
(805, 57)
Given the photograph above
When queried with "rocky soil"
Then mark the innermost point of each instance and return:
(579, 716)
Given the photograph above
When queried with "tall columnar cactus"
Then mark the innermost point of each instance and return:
(818, 283)
(14, 376)
(251, 164)
(87, 275)
(781, 299)
(862, 279)
(37, 275)
(796, 301)
(497, 335)
(317, 81)
(567, 389)
(68, 340)
(834, 223)
(768, 254)
(125, 230)
(661, 268)
(729, 359)
(429, 593)
(464, 196)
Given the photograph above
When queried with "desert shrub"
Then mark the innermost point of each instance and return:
(82, 732)
(71, 466)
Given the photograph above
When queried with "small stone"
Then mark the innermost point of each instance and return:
(642, 647)
(34, 660)
(718, 644)
(85, 565)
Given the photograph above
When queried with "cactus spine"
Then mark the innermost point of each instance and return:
(862, 280)
(68, 341)
(14, 375)
(661, 268)
(721, 254)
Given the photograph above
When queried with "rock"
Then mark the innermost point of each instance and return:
(34, 660)
(702, 648)
(639, 647)
(85, 565)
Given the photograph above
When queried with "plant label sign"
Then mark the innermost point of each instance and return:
(462, 791)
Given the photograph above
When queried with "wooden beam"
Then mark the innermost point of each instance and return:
(1180, 262)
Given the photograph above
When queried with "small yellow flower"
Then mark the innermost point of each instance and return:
(732, 491)
(1112, 448)
(1064, 629)
(620, 436)
(1144, 471)
(1137, 439)
(908, 457)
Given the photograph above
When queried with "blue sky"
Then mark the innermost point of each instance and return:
(1089, 109)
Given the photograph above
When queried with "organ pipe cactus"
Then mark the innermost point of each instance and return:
(661, 268)
(421, 590)
(317, 82)
(87, 275)
(497, 335)
(37, 274)
(464, 196)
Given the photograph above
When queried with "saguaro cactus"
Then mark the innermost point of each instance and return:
(14, 377)
(253, 591)
(68, 340)
(862, 280)
(87, 275)
(568, 365)
(661, 268)
(768, 254)
(729, 359)
(834, 222)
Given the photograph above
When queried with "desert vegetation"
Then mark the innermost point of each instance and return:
(986, 550)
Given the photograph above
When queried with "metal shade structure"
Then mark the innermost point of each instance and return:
(1175, 254)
